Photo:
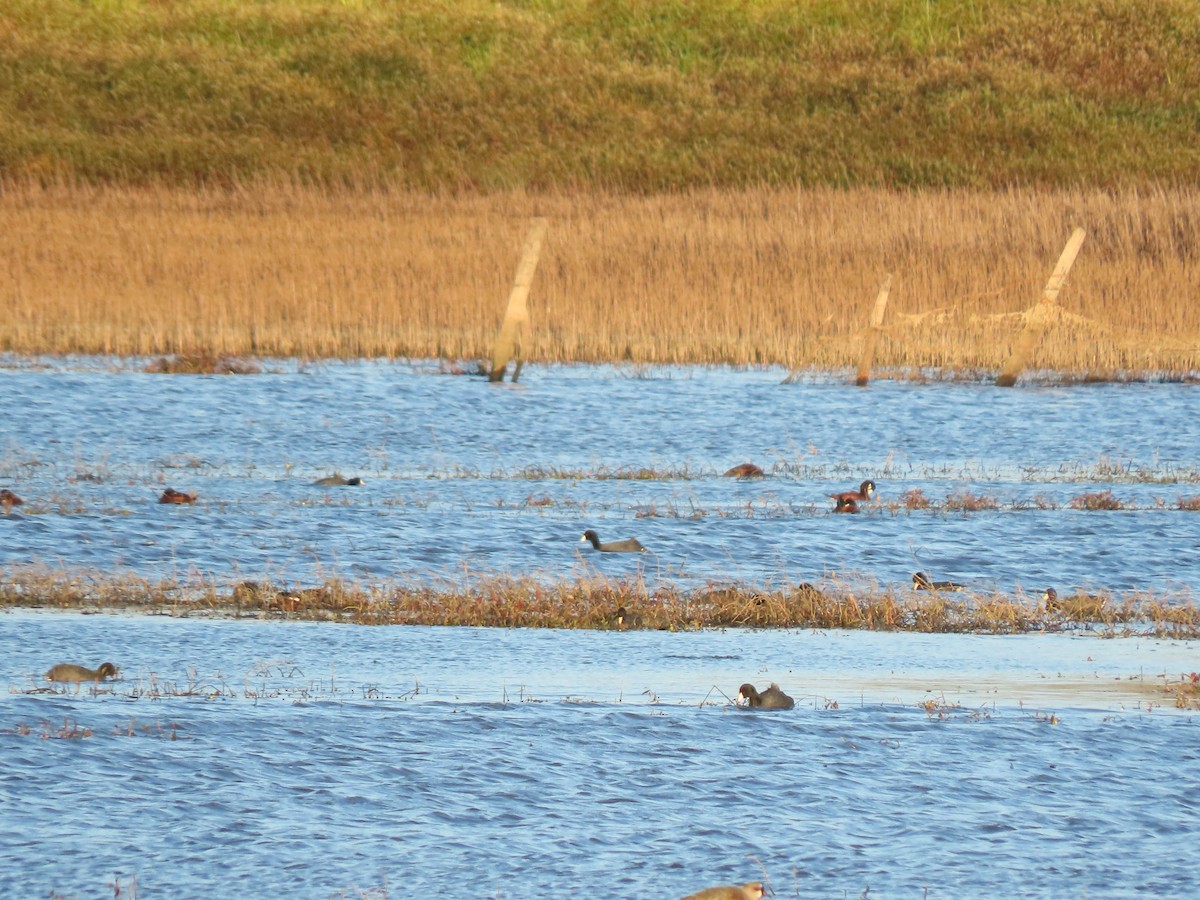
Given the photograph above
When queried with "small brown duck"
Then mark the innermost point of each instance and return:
(623, 619)
(864, 493)
(751, 890)
(846, 505)
(70, 672)
(1076, 606)
(8, 499)
(771, 698)
(921, 582)
(339, 481)
(629, 545)
(170, 495)
(745, 470)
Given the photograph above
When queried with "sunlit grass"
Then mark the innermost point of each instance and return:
(596, 602)
(760, 276)
(621, 94)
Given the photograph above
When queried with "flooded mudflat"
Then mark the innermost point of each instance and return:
(260, 757)
(461, 476)
(283, 758)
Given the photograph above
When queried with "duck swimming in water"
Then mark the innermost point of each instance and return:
(629, 545)
(846, 505)
(339, 481)
(170, 495)
(864, 493)
(921, 582)
(771, 698)
(745, 470)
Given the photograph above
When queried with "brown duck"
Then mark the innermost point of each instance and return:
(72, 673)
(745, 470)
(864, 493)
(751, 890)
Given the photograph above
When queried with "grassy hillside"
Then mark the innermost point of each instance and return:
(624, 94)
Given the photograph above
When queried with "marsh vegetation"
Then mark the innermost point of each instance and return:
(208, 279)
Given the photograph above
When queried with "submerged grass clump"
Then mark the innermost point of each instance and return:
(965, 501)
(1096, 500)
(202, 363)
(595, 602)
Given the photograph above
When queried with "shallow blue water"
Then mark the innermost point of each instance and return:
(465, 476)
(258, 758)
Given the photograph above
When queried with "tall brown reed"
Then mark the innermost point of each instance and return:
(712, 276)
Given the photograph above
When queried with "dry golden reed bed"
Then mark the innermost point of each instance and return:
(599, 603)
(775, 276)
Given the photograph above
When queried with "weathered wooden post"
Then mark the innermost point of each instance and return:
(517, 315)
(1037, 315)
(864, 363)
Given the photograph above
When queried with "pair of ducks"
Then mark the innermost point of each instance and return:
(170, 495)
(847, 502)
(73, 674)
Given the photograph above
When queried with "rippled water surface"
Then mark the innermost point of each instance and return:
(252, 758)
(461, 475)
(274, 758)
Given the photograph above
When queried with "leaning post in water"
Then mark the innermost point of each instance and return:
(864, 364)
(1035, 317)
(517, 314)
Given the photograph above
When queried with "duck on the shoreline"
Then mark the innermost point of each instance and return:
(623, 619)
(921, 582)
(69, 672)
(1076, 605)
(772, 698)
(170, 495)
(629, 545)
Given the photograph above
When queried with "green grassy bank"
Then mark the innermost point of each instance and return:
(606, 94)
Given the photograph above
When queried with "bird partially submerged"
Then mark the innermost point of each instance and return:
(772, 698)
(629, 545)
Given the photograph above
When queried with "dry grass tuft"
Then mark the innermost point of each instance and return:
(915, 499)
(1186, 690)
(1192, 504)
(965, 501)
(1096, 500)
(202, 363)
